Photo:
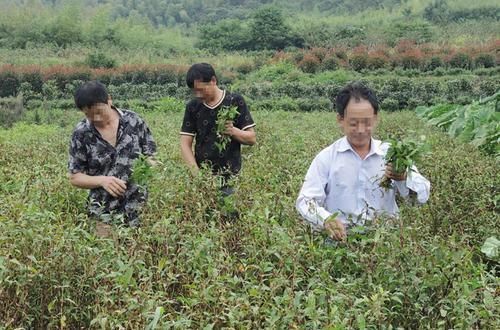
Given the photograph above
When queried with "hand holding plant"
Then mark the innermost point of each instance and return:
(400, 158)
(224, 115)
(335, 228)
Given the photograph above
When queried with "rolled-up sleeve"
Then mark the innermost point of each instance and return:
(417, 183)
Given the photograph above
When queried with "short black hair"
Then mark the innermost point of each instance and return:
(91, 93)
(199, 71)
(357, 91)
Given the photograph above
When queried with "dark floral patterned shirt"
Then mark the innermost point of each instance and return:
(89, 153)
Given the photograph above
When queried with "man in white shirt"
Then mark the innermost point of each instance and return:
(341, 188)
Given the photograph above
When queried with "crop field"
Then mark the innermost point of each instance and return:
(187, 267)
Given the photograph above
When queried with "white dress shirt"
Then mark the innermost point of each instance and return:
(338, 180)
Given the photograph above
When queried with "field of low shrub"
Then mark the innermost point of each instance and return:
(186, 268)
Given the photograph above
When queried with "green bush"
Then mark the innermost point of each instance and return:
(316, 104)
(310, 63)
(389, 104)
(50, 90)
(276, 104)
(460, 60)
(484, 61)
(9, 83)
(100, 60)
(11, 110)
(434, 63)
(376, 62)
(409, 60)
(358, 61)
(439, 71)
(27, 92)
(34, 79)
(330, 63)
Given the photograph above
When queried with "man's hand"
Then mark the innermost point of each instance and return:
(114, 186)
(230, 129)
(389, 172)
(336, 229)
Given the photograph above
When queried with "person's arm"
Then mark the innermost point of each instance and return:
(187, 152)
(413, 181)
(312, 195)
(114, 186)
(78, 167)
(247, 136)
(242, 129)
(188, 133)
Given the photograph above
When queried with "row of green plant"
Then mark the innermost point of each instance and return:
(477, 123)
(269, 86)
(283, 80)
(12, 77)
(186, 268)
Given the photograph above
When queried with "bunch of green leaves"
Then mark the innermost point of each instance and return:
(225, 114)
(402, 155)
(142, 171)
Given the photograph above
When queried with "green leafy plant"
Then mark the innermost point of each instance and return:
(187, 267)
(225, 113)
(490, 247)
(477, 123)
(402, 155)
(142, 171)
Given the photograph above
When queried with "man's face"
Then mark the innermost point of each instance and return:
(358, 123)
(97, 113)
(204, 90)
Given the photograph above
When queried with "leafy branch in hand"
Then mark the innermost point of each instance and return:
(402, 155)
(225, 113)
(142, 171)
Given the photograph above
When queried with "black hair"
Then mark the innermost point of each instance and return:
(199, 71)
(356, 91)
(90, 93)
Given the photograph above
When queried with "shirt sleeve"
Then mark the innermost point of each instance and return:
(244, 120)
(415, 182)
(78, 162)
(310, 203)
(189, 122)
(148, 144)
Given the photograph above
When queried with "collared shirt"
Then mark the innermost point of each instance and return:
(338, 180)
(89, 153)
(200, 121)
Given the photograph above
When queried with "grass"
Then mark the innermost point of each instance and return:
(186, 269)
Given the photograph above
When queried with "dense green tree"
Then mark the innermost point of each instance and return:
(437, 11)
(268, 30)
(227, 34)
